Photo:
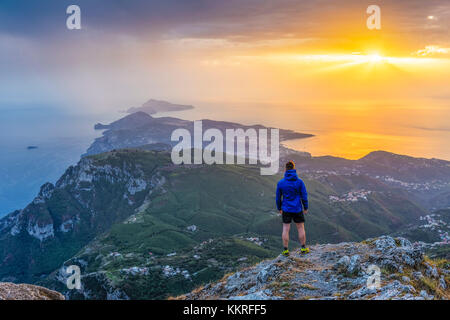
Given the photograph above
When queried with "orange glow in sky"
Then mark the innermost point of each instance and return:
(309, 66)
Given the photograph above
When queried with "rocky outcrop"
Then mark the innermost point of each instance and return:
(384, 268)
(81, 182)
(11, 291)
(85, 201)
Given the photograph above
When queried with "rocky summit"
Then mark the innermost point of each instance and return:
(11, 291)
(339, 271)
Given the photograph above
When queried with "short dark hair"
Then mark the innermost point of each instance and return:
(290, 165)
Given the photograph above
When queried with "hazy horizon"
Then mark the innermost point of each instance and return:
(315, 60)
(309, 66)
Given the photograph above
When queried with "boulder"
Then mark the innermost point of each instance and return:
(442, 283)
(354, 267)
(406, 279)
(267, 272)
(384, 243)
(11, 291)
(342, 263)
(349, 266)
(417, 275)
(431, 272)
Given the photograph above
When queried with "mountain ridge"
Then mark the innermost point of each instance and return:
(123, 204)
(153, 106)
(140, 128)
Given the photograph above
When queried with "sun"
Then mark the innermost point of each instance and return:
(369, 60)
(375, 58)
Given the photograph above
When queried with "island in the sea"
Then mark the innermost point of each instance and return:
(153, 106)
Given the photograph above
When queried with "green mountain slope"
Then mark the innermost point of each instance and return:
(136, 202)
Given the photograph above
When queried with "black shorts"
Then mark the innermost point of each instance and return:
(288, 216)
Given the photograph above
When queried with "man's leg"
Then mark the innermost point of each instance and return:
(285, 236)
(301, 233)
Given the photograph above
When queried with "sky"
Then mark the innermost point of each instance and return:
(314, 54)
(179, 48)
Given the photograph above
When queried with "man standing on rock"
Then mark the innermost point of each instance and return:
(292, 203)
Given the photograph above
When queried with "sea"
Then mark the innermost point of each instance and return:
(38, 143)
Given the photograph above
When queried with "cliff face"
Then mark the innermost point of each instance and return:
(11, 291)
(86, 201)
(339, 271)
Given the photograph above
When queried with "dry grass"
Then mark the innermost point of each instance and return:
(308, 286)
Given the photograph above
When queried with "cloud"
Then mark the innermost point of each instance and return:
(447, 129)
(238, 20)
(145, 45)
(432, 51)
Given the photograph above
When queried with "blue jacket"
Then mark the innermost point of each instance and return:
(291, 193)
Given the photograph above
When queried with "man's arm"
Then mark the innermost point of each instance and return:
(278, 198)
(304, 195)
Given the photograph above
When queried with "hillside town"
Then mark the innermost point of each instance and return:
(434, 222)
(352, 196)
